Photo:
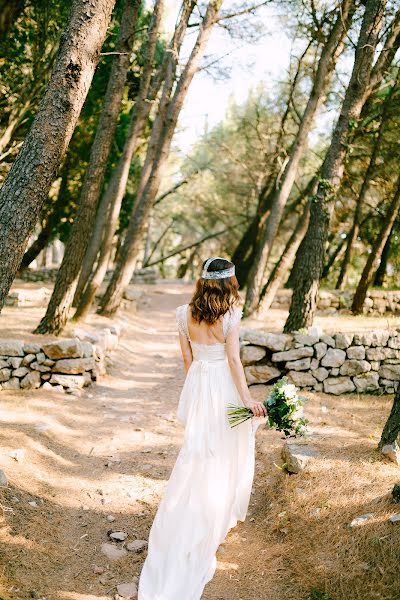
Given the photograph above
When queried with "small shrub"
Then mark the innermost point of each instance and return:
(316, 595)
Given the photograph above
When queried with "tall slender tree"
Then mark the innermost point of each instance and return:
(286, 259)
(100, 244)
(353, 234)
(29, 180)
(391, 431)
(380, 273)
(312, 250)
(376, 252)
(67, 277)
(157, 155)
(284, 183)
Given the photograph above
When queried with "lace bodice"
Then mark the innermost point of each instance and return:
(230, 319)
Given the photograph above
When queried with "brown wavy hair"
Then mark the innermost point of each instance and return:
(214, 297)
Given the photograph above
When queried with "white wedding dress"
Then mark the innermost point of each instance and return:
(210, 484)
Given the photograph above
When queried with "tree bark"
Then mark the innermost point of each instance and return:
(329, 54)
(376, 252)
(311, 261)
(54, 217)
(379, 278)
(110, 203)
(61, 300)
(29, 180)
(112, 199)
(391, 430)
(152, 171)
(353, 234)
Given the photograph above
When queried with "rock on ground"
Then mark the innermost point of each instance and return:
(113, 552)
(297, 456)
(362, 519)
(119, 536)
(392, 451)
(136, 546)
(3, 478)
(127, 590)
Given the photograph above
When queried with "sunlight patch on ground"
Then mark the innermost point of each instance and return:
(75, 596)
(227, 566)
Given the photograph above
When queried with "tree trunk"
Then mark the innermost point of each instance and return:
(164, 128)
(29, 180)
(104, 227)
(113, 197)
(329, 54)
(283, 265)
(391, 430)
(310, 265)
(61, 300)
(376, 252)
(379, 278)
(353, 234)
(53, 218)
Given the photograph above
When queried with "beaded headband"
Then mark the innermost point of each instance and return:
(216, 274)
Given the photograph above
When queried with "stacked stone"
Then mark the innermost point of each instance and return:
(377, 301)
(44, 274)
(336, 364)
(66, 364)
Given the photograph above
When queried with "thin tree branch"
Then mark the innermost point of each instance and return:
(192, 245)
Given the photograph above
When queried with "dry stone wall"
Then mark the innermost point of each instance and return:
(62, 364)
(331, 301)
(335, 364)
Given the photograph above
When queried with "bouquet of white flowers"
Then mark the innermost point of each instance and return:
(284, 410)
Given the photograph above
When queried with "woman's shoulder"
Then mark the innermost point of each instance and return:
(231, 318)
(181, 309)
(181, 318)
(235, 312)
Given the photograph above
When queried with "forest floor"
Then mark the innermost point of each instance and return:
(111, 450)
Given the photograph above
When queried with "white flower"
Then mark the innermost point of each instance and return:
(298, 413)
(289, 390)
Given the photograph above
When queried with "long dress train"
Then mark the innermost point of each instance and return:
(210, 484)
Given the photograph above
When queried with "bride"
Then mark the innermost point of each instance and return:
(210, 485)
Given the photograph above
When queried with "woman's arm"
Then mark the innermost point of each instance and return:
(236, 367)
(186, 351)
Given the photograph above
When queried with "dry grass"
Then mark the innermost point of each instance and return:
(296, 538)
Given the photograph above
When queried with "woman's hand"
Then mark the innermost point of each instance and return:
(258, 409)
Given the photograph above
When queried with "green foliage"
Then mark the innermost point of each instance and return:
(317, 595)
(226, 171)
(66, 188)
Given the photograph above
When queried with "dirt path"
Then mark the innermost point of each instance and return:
(110, 453)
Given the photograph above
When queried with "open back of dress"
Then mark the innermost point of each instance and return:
(210, 484)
